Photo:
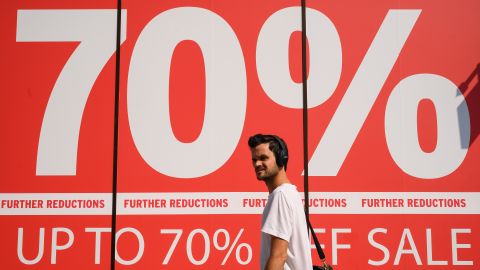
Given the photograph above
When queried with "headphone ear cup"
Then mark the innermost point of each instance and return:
(279, 159)
(282, 156)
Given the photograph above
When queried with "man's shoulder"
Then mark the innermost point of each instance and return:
(285, 194)
(285, 189)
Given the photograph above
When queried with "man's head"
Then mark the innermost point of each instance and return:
(269, 155)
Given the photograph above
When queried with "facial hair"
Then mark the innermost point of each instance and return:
(267, 174)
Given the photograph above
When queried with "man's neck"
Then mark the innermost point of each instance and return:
(278, 180)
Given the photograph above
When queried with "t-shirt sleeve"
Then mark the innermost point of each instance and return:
(279, 219)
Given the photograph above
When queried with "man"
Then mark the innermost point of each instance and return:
(285, 243)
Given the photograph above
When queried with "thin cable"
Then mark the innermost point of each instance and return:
(319, 249)
(305, 107)
(115, 136)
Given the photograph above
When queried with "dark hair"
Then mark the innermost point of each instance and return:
(275, 144)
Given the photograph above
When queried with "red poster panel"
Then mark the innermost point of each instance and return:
(393, 131)
(57, 101)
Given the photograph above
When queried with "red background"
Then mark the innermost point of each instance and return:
(444, 41)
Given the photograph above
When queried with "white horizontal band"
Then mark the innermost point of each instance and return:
(186, 203)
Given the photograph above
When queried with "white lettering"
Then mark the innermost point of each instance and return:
(148, 92)
(430, 260)
(453, 124)
(335, 245)
(41, 244)
(386, 252)
(456, 246)
(325, 52)
(55, 246)
(98, 232)
(407, 235)
(141, 246)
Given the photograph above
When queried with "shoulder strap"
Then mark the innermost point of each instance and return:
(320, 253)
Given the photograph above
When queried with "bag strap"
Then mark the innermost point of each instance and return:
(320, 253)
(305, 129)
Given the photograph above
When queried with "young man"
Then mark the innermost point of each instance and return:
(285, 243)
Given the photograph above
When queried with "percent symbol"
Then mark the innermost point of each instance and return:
(400, 116)
(233, 246)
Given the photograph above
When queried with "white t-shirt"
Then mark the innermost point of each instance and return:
(284, 217)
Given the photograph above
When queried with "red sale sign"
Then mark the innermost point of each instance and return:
(134, 118)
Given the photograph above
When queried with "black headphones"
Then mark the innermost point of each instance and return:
(281, 156)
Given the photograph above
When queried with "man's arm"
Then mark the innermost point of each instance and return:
(278, 254)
